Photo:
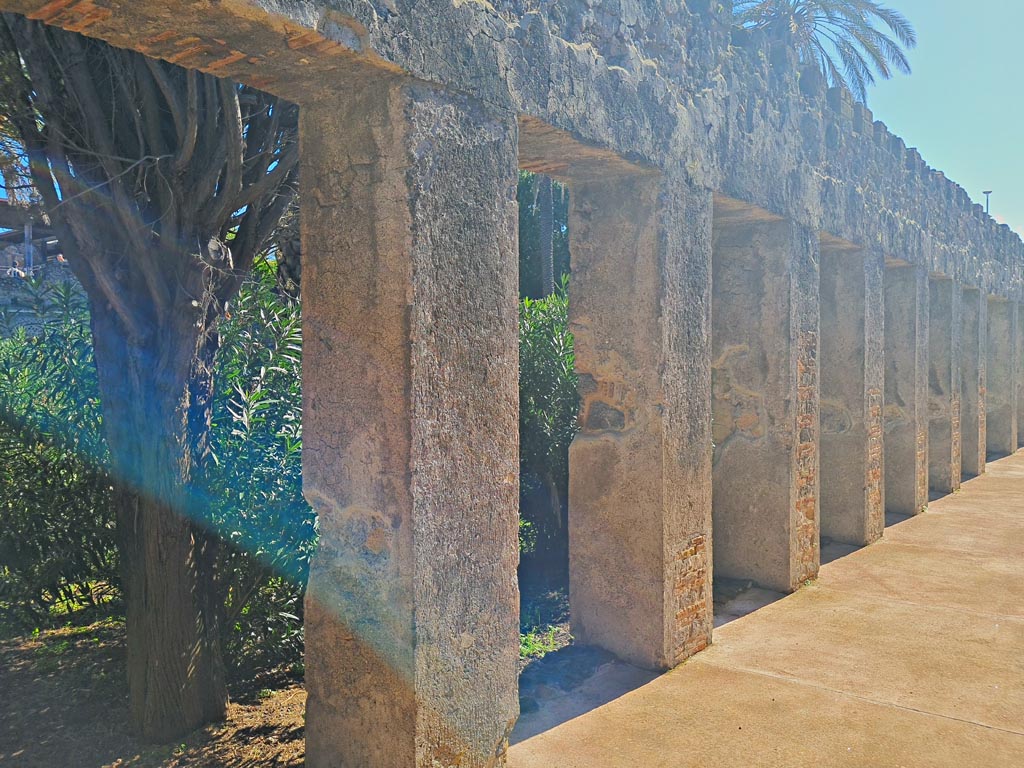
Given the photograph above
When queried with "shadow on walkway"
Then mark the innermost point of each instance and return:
(568, 683)
(903, 653)
(895, 518)
(833, 550)
(736, 598)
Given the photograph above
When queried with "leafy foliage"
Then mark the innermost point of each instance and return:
(548, 407)
(57, 539)
(56, 530)
(163, 185)
(538, 643)
(256, 482)
(841, 36)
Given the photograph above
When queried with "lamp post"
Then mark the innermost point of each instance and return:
(987, 194)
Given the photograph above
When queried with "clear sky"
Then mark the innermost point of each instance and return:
(963, 106)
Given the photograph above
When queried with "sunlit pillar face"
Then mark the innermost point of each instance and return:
(1002, 373)
(410, 416)
(852, 379)
(639, 488)
(765, 344)
(974, 362)
(906, 389)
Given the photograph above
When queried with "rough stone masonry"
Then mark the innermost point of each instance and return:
(776, 259)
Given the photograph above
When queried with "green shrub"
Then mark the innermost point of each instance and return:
(57, 545)
(57, 538)
(256, 480)
(548, 408)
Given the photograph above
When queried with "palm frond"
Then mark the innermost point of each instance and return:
(851, 41)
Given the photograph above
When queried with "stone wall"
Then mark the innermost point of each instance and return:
(21, 303)
(667, 85)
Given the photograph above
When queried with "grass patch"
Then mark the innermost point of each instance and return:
(53, 649)
(538, 642)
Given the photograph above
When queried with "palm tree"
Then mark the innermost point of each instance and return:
(841, 36)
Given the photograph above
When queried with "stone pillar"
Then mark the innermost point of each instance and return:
(974, 359)
(410, 419)
(906, 389)
(943, 385)
(765, 402)
(640, 485)
(1003, 322)
(852, 380)
(1020, 376)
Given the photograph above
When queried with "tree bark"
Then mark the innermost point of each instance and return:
(289, 252)
(546, 206)
(157, 397)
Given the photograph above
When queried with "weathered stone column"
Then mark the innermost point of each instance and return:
(765, 402)
(1003, 323)
(972, 400)
(640, 485)
(943, 385)
(906, 389)
(410, 416)
(852, 381)
(1020, 377)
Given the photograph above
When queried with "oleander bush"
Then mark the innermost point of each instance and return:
(57, 535)
(548, 408)
(57, 545)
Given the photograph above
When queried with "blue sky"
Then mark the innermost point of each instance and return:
(963, 106)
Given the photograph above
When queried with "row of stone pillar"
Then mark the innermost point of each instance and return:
(410, 303)
(845, 386)
(755, 413)
(953, 371)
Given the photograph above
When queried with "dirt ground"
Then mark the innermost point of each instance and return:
(63, 699)
(63, 703)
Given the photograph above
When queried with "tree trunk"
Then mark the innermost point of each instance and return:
(157, 399)
(161, 161)
(289, 252)
(546, 206)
